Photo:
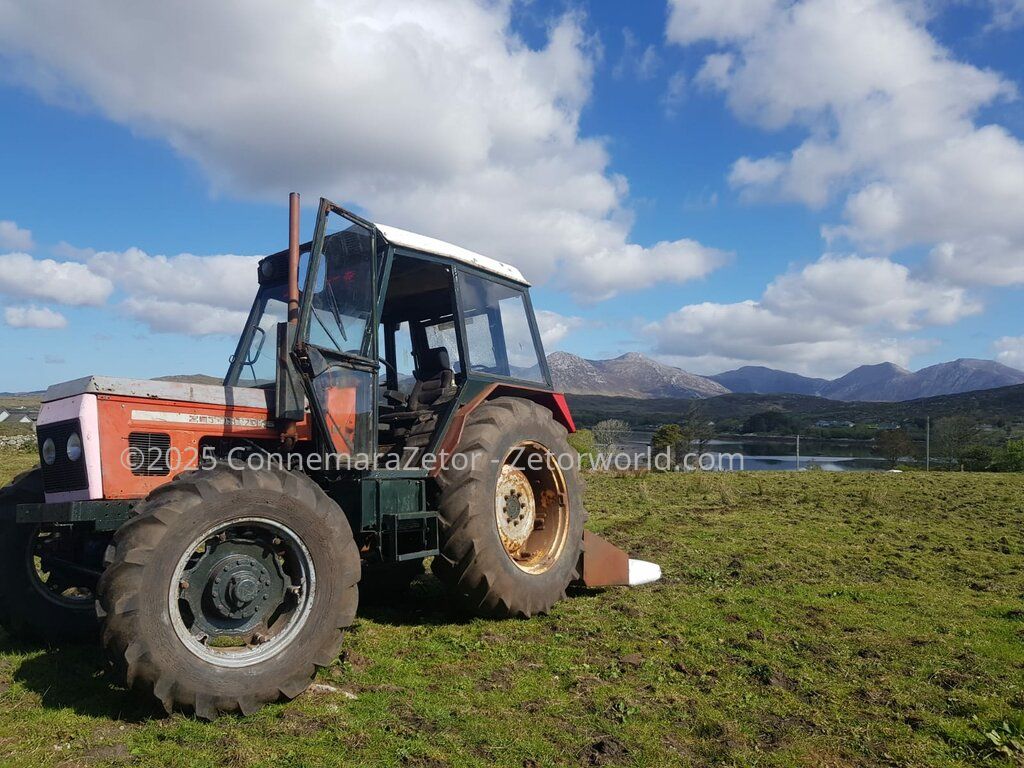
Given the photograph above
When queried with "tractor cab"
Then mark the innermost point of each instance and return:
(392, 332)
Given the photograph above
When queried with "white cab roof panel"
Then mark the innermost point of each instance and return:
(401, 237)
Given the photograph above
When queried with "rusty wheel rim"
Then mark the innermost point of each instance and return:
(531, 508)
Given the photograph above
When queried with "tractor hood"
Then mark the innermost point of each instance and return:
(136, 434)
(182, 392)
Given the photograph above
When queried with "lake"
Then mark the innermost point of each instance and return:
(780, 454)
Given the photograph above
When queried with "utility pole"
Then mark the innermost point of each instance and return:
(798, 451)
(927, 443)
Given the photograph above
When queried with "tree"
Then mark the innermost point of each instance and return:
(894, 444)
(609, 433)
(954, 437)
(583, 441)
(1010, 457)
(698, 430)
(666, 439)
(775, 422)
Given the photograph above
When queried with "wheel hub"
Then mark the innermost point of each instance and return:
(515, 509)
(239, 587)
(234, 586)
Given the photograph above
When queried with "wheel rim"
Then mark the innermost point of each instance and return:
(242, 591)
(53, 573)
(531, 507)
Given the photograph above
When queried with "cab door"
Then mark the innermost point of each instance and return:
(337, 336)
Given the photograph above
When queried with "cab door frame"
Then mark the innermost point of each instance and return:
(315, 360)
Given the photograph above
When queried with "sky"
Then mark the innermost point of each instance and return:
(810, 185)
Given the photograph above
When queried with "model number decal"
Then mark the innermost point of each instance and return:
(200, 418)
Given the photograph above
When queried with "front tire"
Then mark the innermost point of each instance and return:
(39, 601)
(511, 511)
(228, 590)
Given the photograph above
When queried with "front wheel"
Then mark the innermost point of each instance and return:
(511, 511)
(229, 589)
(48, 573)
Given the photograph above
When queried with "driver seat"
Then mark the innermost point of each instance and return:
(434, 387)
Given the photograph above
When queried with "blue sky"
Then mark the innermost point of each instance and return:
(570, 141)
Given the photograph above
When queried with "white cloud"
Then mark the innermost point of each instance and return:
(194, 295)
(68, 252)
(554, 327)
(834, 314)
(601, 274)
(226, 281)
(190, 318)
(675, 93)
(858, 291)
(891, 121)
(14, 238)
(641, 64)
(1007, 14)
(23, 277)
(433, 115)
(693, 20)
(34, 317)
(1010, 351)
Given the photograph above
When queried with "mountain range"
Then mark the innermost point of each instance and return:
(634, 375)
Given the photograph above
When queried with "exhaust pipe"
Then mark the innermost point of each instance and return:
(293, 258)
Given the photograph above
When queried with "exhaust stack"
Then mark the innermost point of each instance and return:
(293, 258)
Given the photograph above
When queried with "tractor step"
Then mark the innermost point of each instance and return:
(408, 535)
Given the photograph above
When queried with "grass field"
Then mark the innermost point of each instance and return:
(804, 619)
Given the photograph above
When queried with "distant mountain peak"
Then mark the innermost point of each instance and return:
(636, 375)
(630, 375)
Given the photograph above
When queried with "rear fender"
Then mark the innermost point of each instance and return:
(553, 401)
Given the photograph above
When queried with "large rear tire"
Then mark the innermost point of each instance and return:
(39, 602)
(228, 590)
(511, 511)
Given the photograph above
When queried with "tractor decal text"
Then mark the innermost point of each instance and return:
(201, 418)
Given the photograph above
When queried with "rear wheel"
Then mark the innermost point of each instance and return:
(48, 573)
(229, 589)
(511, 511)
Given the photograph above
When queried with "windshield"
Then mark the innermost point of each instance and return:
(256, 364)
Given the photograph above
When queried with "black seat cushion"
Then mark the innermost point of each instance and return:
(435, 380)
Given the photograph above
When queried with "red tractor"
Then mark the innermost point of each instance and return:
(215, 537)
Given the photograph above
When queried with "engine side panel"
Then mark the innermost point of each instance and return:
(126, 423)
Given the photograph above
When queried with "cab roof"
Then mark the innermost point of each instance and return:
(406, 239)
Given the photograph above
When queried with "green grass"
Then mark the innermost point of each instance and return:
(804, 619)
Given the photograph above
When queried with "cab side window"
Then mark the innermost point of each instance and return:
(499, 337)
(443, 335)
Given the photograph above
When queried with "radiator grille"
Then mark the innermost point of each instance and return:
(64, 474)
(149, 453)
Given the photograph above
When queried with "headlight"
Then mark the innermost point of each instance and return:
(49, 451)
(74, 447)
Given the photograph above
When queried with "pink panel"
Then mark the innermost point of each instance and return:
(85, 409)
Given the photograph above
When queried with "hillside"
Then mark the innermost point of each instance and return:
(756, 379)
(1005, 404)
(193, 378)
(630, 375)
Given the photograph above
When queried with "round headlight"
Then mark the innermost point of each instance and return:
(74, 447)
(49, 451)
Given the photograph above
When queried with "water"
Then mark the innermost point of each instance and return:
(762, 454)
